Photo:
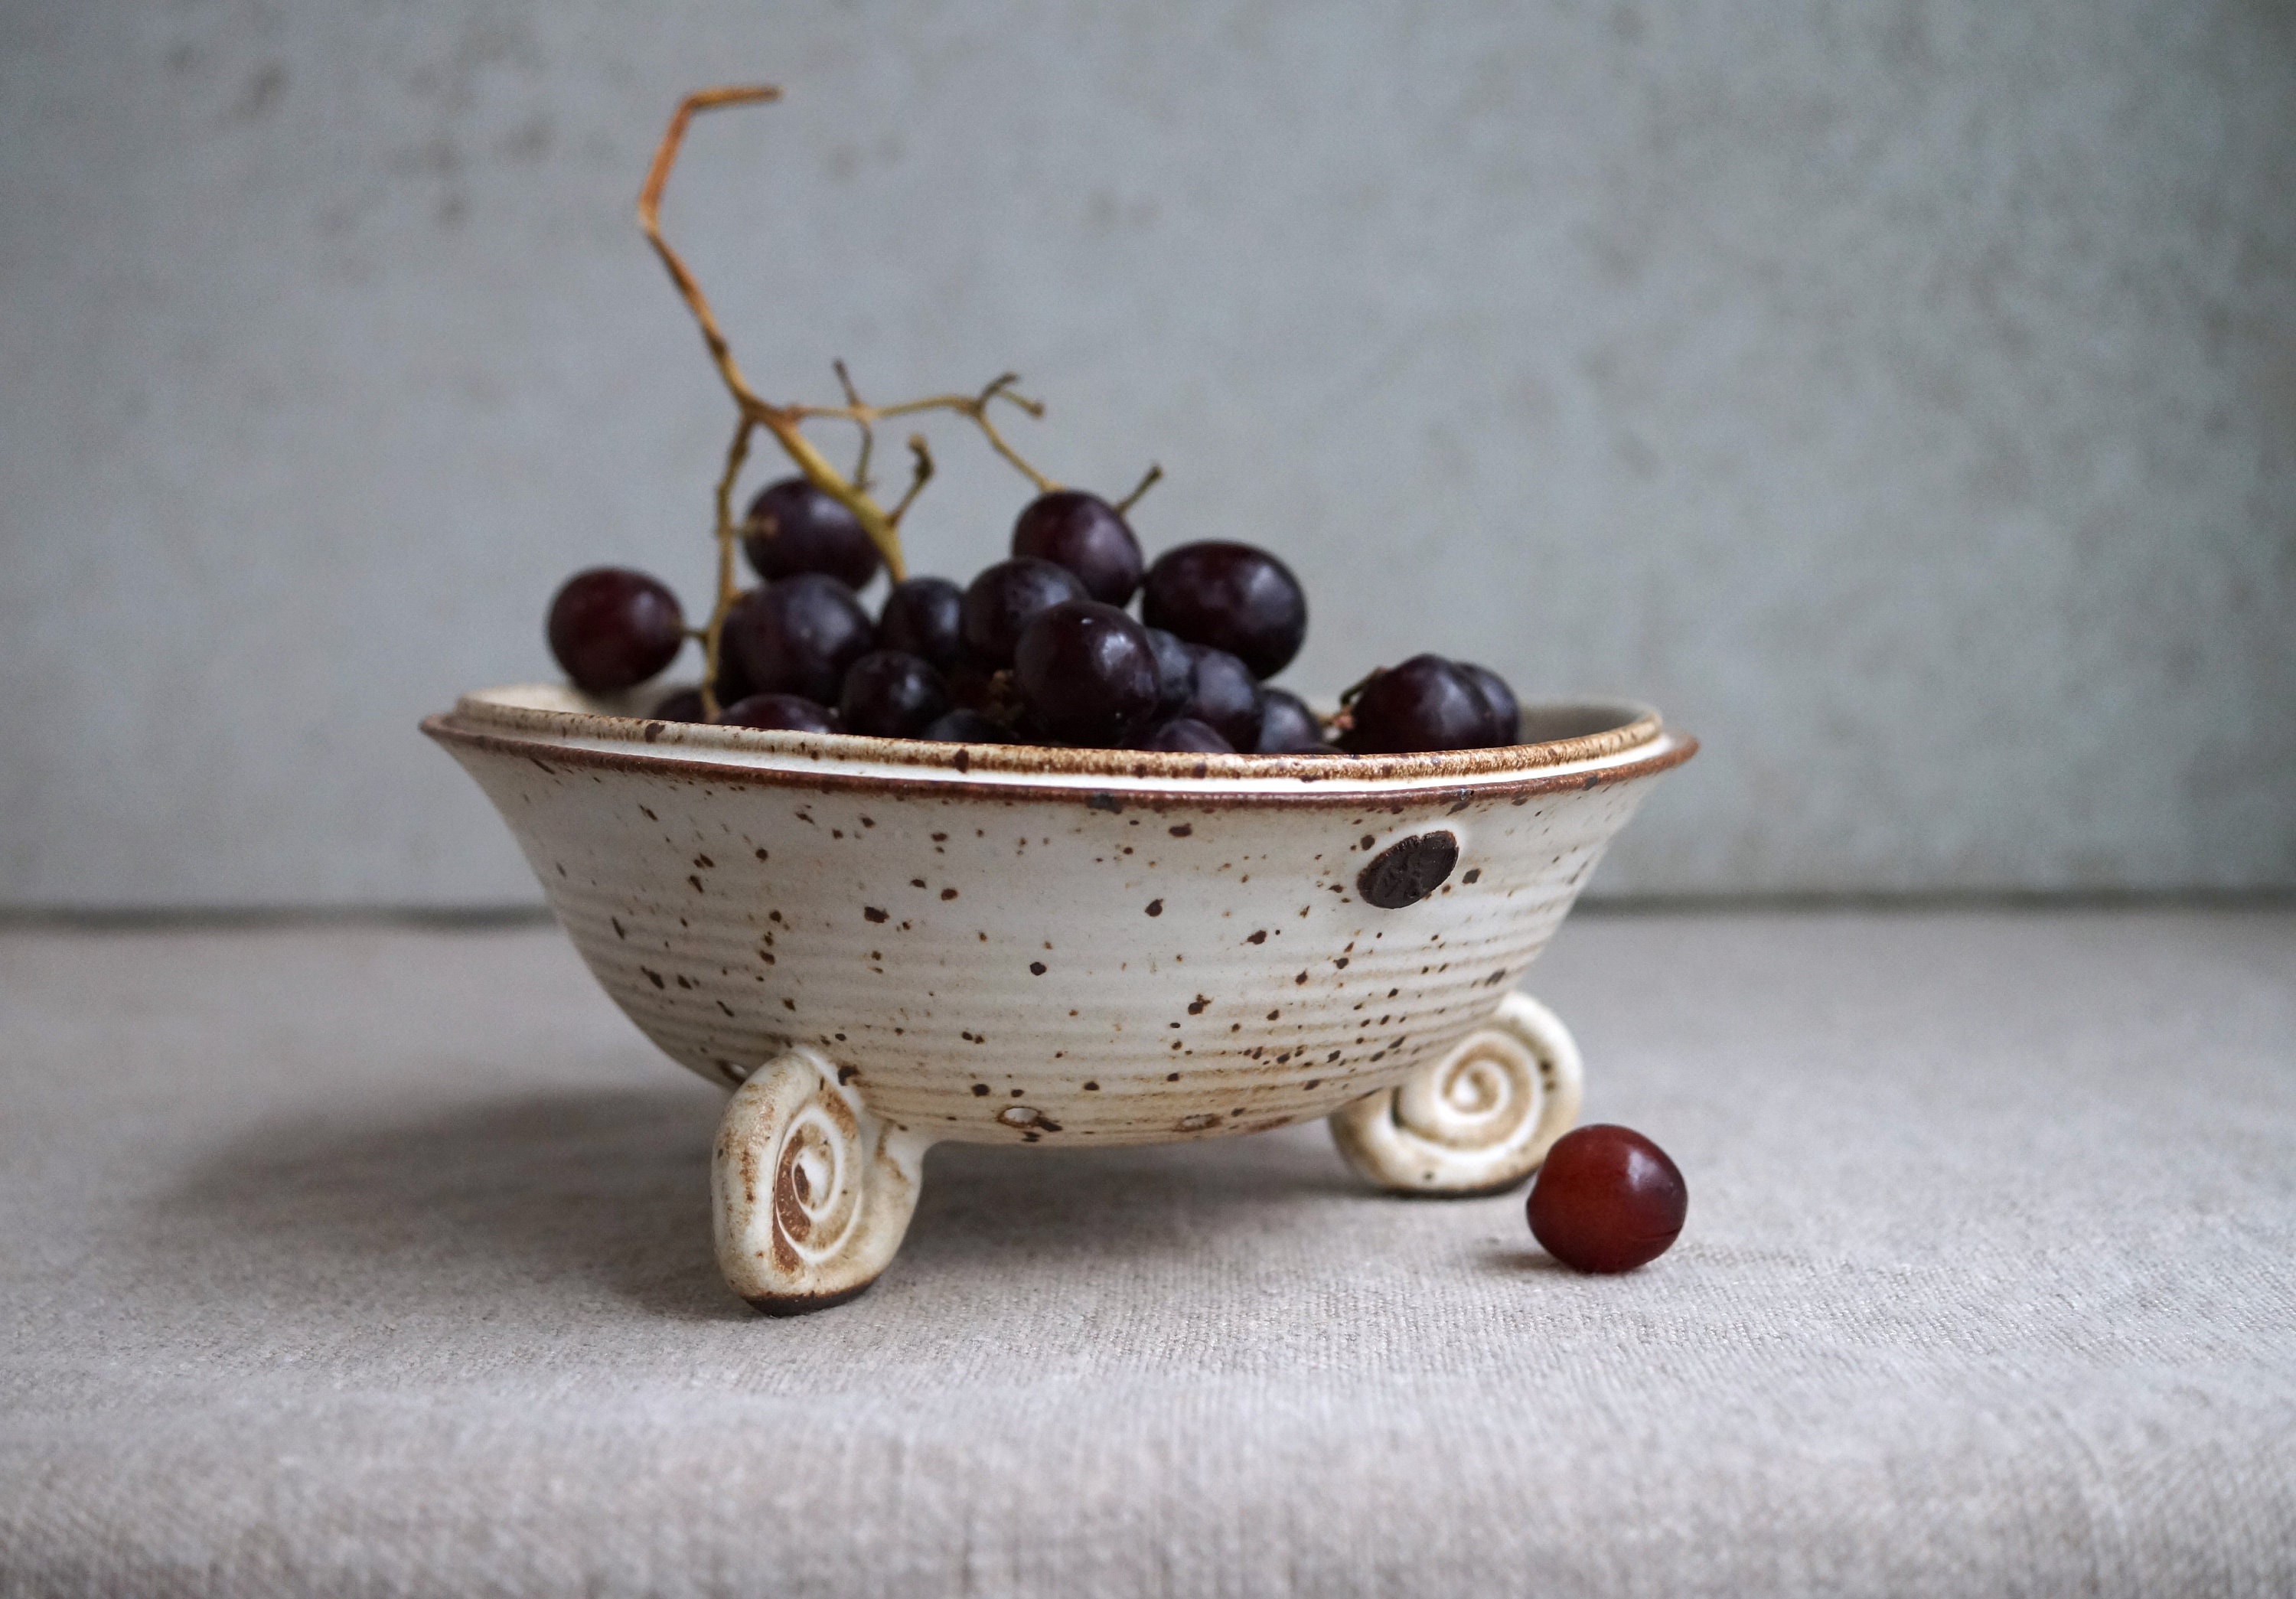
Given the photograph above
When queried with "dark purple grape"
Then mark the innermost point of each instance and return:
(923, 616)
(1425, 704)
(792, 528)
(731, 682)
(1607, 1200)
(798, 635)
(613, 628)
(682, 706)
(788, 713)
(1185, 735)
(962, 726)
(1226, 698)
(1004, 598)
(1232, 597)
(972, 686)
(891, 695)
(1083, 533)
(1287, 726)
(1506, 716)
(1175, 673)
(1086, 672)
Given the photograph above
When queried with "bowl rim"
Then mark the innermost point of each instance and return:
(547, 723)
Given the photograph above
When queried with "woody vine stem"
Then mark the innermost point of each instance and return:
(786, 423)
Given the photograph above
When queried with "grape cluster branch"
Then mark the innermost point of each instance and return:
(785, 422)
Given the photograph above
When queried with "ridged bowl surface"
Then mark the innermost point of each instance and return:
(1005, 945)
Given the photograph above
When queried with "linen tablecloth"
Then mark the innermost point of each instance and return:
(376, 1261)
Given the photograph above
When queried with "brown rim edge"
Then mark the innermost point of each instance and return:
(483, 710)
(1115, 795)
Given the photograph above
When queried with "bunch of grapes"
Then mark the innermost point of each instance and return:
(1041, 648)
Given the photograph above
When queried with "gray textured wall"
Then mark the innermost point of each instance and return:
(1901, 395)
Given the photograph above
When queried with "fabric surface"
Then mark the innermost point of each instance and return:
(376, 1262)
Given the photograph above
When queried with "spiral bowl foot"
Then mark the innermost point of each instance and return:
(810, 1194)
(1478, 1121)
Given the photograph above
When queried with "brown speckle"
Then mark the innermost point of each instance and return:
(695, 881)
(789, 1005)
(1196, 1005)
(705, 862)
(845, 1074)
(1036, 968)
(619, 933)
(948, 893)
(1092, 1087)
(1300, 979)
(873, 913)
(916, 882)
(1155, 908)
(653, 977)
(1472, 874)
(1408, 869)
(1258, 938)
(980, 1091)
(1184, 829)
(763, 856)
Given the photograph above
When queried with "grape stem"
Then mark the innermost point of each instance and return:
(713, 636)
(786, 423)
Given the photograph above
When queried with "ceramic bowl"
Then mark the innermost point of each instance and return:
(880, 944)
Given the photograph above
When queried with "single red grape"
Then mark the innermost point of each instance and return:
(788, 713)
(792, 528)
(1607, 1200)
(891, 695)
(1084, 534)
(1232, 597)
(1086, 672)
(797, 636)
(1004, 598)
(613, 628)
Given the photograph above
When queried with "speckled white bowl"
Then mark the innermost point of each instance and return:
(884, 943)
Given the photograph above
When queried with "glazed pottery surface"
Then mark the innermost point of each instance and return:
(1122, 953)
(1012, 944)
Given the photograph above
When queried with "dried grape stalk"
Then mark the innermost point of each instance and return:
(785, 422)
